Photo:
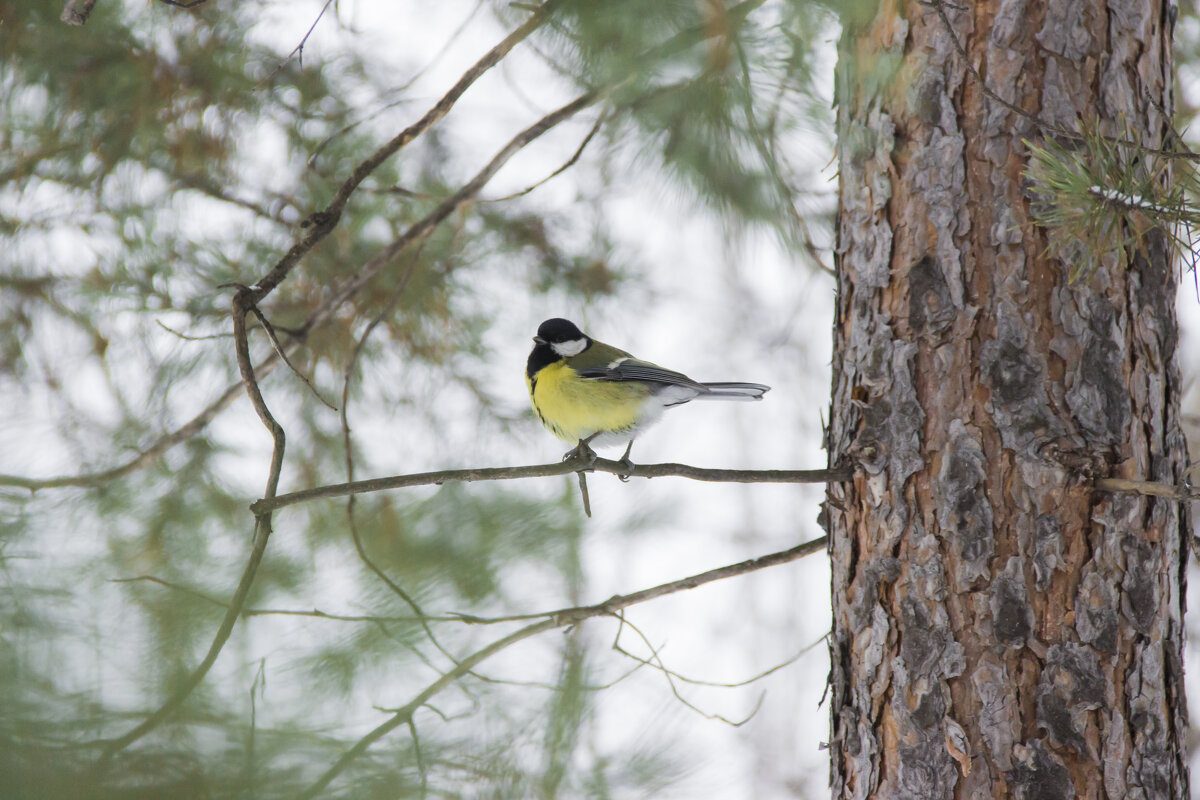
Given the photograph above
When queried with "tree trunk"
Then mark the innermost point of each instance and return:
(1000, 629)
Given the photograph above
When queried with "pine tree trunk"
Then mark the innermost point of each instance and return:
(1000, 628)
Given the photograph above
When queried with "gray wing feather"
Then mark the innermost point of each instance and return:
(633, 370)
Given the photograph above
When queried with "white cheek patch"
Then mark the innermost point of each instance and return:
(572, 347)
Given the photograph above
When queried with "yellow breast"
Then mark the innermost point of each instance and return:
(574, 409)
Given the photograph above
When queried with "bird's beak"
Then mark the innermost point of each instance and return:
(539, 340)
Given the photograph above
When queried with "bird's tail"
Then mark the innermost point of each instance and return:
(733, 391)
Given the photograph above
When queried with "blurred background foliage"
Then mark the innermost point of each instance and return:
(158, 153)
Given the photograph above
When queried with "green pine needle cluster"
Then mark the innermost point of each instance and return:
(1100, 197)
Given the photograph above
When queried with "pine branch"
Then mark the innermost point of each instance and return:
(1100, 200)
(262, 532)
(562, 618)
(322, 223)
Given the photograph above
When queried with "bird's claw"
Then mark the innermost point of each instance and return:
(626, 472)
(581, 451)
(626, 464)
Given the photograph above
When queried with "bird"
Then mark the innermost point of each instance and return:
(587, 392)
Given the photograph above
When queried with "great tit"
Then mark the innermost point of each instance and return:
(587, 392)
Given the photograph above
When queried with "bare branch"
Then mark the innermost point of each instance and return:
(1148, 488)
(656, 662)
(412, 730)
(174, 587)
(583, 494)
(573, 464)
(187, 337)
(742, 567)
(445, 48)
(420, 229)
(298, 50)
(558, 619)
(145, 457)
(314, 613)
(808, 648)
(567, 165)
(201, 184)
(262, 318)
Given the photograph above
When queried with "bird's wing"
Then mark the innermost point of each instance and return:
(631, 369)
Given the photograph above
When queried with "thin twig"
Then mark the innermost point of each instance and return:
(583, 493)
(257, 686)
(655, 661)
(201, 184)
(397, 90)
(726, 684)
(569, 163)
(412, 729)
(262, 318)
(175, 587)
(573, 464)
(314, 613)
(558, 619)
(556, 687)
(188, 338)
(767, 151)
(298, 50)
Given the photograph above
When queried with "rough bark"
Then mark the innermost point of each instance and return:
(1000, 629)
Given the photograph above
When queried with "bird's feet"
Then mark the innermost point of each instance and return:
(582, 451)
(626, 465)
